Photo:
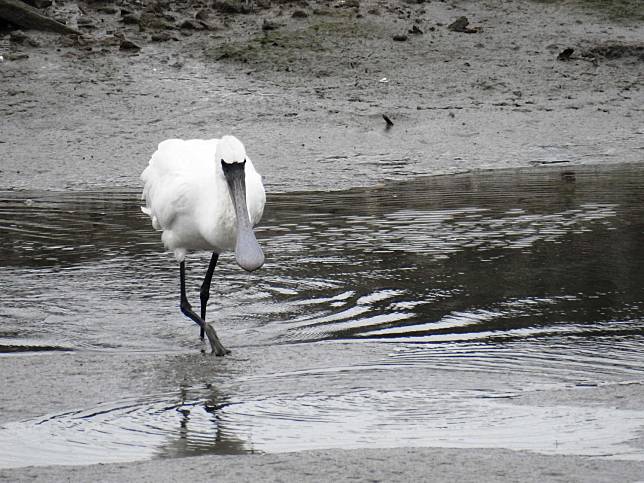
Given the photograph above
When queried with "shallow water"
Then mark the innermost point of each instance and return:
(414, 314)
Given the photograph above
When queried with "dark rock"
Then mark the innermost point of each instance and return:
(565, 54)
(127, 44)
(203, 14)
(461, 25)
(299, 14)
(191, 24)
(130, 18)
(416, 30)
(269, 25)
(400, 37)
(151, 21)
(163, 36)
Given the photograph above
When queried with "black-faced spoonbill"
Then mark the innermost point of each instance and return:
(205, 195)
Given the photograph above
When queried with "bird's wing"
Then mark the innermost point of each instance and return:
(170, 179)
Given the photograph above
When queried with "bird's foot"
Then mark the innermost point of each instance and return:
(217, 347)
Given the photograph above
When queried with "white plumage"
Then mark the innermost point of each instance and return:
(205, 195)
(187, 196)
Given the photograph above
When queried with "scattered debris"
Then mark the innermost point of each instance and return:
(17, 56)
(400, 37)
(268, 25)
(415, 30)
(461, 25)
(192, 24)
(162, 36)
(127, 44)
(565, 54)
(554, 161)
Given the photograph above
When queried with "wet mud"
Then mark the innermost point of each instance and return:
(307, 97)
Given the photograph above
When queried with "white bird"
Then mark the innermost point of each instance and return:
(205, 195)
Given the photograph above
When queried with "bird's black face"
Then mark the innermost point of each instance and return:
(248, 253)
(231, 169)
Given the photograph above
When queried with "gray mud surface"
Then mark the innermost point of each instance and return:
(308, 97)
(397, 464)
(79, 118)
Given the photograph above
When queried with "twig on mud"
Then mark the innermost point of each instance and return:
(554, 161)
(431, 108)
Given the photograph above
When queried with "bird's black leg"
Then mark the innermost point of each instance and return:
(205, 287)
(186, 309)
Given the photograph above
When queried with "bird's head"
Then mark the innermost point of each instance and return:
(230, 152)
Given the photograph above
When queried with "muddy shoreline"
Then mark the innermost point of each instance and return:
(308, 95)
(391, 464)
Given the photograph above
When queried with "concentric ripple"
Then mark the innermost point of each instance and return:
(366, 418)
(429, 313)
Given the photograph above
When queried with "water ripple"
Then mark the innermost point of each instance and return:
(420, 314)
